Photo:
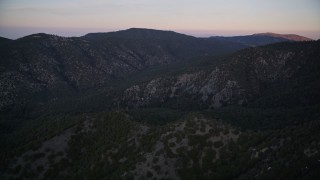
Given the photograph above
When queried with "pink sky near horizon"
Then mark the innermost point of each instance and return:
(203, 18)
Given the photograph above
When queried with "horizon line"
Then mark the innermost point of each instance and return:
(195, 33)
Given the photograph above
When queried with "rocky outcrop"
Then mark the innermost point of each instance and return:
(243, 77)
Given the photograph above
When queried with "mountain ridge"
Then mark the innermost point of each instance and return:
(248, 73)
(53, 65)
(138, 34)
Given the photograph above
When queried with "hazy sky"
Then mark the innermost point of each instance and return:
(196, 17)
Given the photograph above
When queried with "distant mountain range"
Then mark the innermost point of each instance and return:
(262, 38)
(142, 104)
(291, 37)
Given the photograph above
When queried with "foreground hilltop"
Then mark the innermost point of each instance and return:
(115, 146)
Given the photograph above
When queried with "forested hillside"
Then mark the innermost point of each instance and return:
(148, 104)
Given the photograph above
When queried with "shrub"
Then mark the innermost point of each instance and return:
(218, 144)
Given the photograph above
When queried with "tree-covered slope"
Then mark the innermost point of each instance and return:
(115, 146)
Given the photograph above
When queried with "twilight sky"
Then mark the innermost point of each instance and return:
(196, 17)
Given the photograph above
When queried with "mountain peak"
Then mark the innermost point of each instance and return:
(40, 36)
(291, 37)
(136, 33)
